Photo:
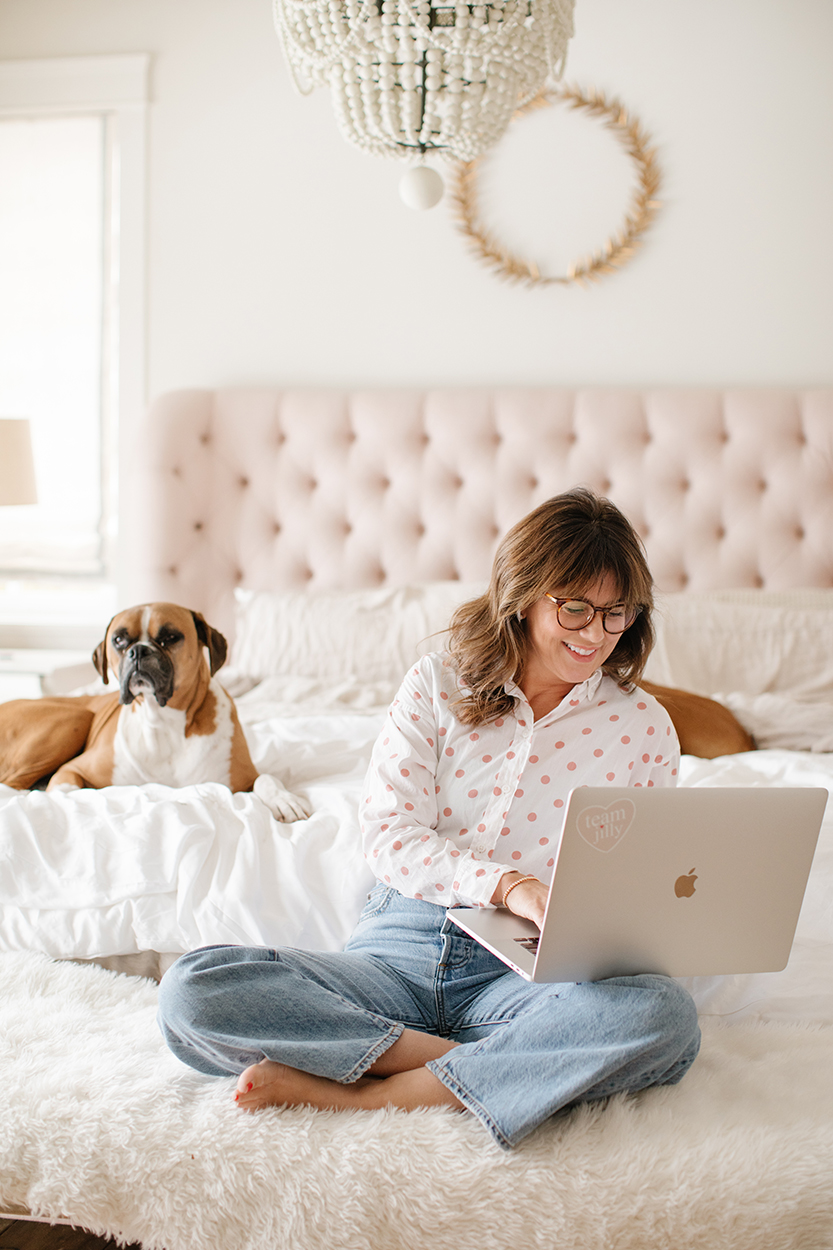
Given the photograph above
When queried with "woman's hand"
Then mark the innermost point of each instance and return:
(529, 899)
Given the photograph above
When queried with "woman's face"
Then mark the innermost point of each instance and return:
(559, 658)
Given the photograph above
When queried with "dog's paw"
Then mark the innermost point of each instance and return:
(281, 803)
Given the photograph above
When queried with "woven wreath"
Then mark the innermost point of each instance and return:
(618, 248)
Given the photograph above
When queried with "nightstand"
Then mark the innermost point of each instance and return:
(21, 671)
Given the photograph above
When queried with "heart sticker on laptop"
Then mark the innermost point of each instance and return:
(603, 828)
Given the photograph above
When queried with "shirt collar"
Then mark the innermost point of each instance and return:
(582, 693)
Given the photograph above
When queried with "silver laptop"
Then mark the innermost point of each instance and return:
(685, 882)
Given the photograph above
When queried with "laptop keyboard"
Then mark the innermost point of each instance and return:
(529, 944)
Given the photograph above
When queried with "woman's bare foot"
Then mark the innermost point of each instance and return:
(398, 1078)
(270, 1084)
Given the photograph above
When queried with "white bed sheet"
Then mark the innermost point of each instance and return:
(127, 869)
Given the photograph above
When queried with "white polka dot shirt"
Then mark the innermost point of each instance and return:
(447, 808)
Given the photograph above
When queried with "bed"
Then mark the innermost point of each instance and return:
(330, 534)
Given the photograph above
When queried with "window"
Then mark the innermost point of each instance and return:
(71, 331)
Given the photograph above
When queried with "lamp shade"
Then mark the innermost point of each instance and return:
(17, 470)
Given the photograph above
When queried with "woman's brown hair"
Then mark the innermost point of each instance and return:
(565, 544)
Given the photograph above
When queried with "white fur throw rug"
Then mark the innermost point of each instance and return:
(98, 1123)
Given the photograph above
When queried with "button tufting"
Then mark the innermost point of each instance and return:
(198, 525)
(243, 481)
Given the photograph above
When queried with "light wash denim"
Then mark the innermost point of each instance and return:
(526, 1051)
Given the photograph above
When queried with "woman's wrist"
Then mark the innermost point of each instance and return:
(506, 883)
(512, 884)
(502, 883)
(529, 899)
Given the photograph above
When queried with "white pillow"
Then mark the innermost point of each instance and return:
(747, 641)
(335, 635)
(779, 723)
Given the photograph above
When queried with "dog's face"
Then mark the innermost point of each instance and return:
(156, 647)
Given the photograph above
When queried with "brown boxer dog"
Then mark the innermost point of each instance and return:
(171, 721)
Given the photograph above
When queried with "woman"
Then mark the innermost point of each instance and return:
(462, 807)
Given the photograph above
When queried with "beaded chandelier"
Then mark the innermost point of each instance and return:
(411, 77)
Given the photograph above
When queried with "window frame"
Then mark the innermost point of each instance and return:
(117, 88)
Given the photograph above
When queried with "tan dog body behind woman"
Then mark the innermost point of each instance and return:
(171, 721)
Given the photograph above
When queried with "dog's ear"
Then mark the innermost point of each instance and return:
(213, 639)
(99, 657)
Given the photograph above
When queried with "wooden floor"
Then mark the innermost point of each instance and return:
(31, 1235)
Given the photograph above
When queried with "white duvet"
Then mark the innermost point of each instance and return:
(128, 869)
(131, 868)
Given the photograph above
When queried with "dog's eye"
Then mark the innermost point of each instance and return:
(120, 641)
(168, 638)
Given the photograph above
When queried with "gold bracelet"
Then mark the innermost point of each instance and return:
(511, 887)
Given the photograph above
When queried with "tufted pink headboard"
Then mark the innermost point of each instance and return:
(324, 488)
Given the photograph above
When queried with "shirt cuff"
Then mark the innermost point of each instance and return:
(479, 882)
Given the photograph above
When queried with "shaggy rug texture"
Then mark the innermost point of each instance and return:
(100, 1124)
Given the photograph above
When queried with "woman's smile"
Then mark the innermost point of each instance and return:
(584, 652)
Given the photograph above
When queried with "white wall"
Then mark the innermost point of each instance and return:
(279, 254)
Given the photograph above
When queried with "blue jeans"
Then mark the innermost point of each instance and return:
(525, 1052)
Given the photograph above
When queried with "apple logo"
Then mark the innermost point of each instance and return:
(684, 886)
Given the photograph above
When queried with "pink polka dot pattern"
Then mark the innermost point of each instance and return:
(447, 808)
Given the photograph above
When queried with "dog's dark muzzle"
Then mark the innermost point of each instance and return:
(146, 669)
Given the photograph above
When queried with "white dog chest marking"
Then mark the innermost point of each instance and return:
(151, 746)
